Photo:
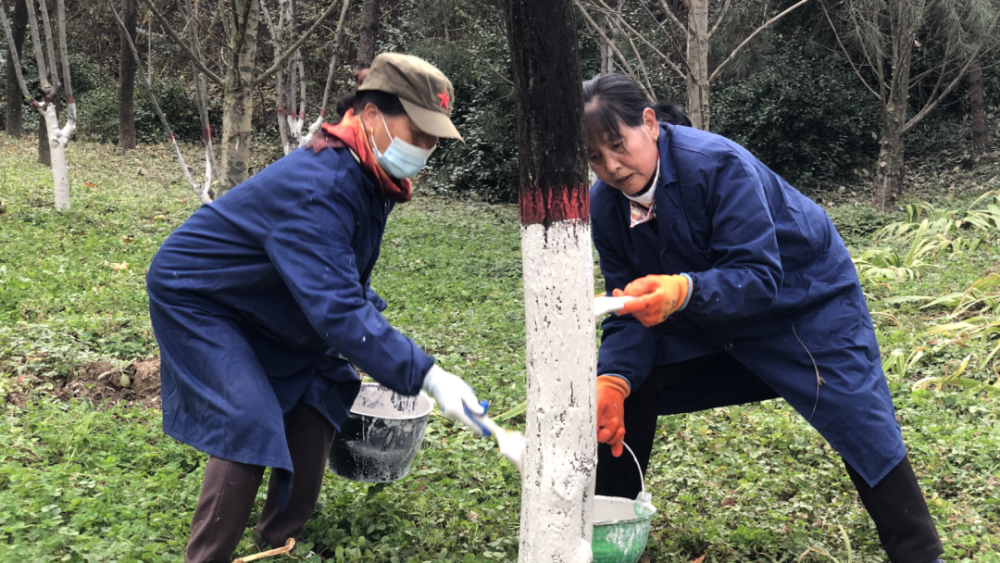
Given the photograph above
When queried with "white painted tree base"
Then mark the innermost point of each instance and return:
(560, 460)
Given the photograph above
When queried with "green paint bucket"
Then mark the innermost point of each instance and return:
(621, 526)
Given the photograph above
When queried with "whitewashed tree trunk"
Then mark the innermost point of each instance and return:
(60, 174)
(560, 457)
(560, 461)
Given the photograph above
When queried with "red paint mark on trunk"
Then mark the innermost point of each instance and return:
(302, 115)
(281, 111)
(322, 112)
(70, 100)
(206, 134)
(554, 203)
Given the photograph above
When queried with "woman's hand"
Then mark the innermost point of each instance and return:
(611, 393)
(657, 297)
(454, 397)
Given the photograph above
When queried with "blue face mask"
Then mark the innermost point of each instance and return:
(401, 159)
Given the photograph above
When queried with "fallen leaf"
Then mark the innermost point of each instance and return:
(728, 501)
(127, 239)
(160, 217)
(420, 488)
(90, 185)
(699, 560)
(472, 516)
(993, 481)
(119, 267)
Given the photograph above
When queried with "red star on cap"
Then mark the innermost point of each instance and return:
(444, 99)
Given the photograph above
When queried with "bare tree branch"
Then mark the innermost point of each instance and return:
(50, 46)
(767, 24)
(642, 66)
(15, 60)
(333, 58)
(846, 54)
(295, 47)
(609, 43)
(673, 45)
(931, 104)
(64, 53)
(36, 42)
(718, 22)
(670, 14)
(196, 59)
(665, 58)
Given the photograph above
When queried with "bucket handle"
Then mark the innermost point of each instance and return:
(643, 495)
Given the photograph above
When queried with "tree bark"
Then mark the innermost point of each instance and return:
(126, 78)
(238, 93)
(697, 59)
(895, 105)
(12, 115)
(369, 33)
(977, 105)
(44, 155)
(561, 437)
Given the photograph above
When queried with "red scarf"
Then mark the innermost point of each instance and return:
(351, 132)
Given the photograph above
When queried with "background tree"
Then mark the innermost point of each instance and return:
(368, 37)
(240, 21)
(883, 36)
(48, 75)
(126, 77)
(977, 105)
(688, 57)
(12, 116)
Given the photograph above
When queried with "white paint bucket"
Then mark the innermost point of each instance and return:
(621, 525)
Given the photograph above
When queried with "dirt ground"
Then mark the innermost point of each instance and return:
(138, 384)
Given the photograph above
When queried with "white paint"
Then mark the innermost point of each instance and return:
(557, 483)
(381, 402)
(58, 140)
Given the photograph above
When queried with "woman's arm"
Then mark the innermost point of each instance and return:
(745, 279)
(311, 248)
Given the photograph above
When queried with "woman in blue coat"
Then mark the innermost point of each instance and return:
(743, 292)
(261, 305)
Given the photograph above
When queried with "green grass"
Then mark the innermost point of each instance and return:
(751, 483)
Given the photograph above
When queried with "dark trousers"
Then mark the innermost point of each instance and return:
(896, 503)
(229, 489)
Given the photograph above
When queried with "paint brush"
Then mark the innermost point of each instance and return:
(604, 304)
(511, 442)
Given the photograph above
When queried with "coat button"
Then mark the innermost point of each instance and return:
(728, 346)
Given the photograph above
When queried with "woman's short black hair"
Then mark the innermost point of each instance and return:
(386, 103)
(610, 100)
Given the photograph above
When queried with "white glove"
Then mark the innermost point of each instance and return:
(454, 397)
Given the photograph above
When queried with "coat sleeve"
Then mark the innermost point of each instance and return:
(311, 248)
(374, 298)
(628, 349)
(744, 281)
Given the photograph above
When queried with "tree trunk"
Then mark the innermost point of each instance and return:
(126, 79)
(369, 33)
(560, 454)
(611, 30)
(57, 152)
(977, 105)
(890, 168)
(12, 116)
(238, 94)
(697, 59)
(44, 155)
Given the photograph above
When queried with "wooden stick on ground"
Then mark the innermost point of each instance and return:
(289, 546)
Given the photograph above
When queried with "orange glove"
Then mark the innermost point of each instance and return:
(611, 393)
(658, 297)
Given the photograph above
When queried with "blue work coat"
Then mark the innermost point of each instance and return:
(771, 284)
(261, 301)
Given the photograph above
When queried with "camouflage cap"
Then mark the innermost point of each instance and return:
(425, 92)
